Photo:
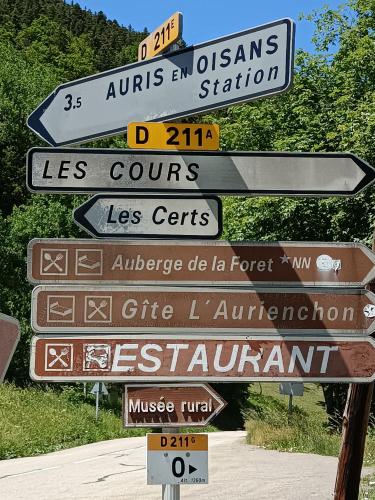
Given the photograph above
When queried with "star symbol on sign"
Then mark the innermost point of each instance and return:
(284, 259)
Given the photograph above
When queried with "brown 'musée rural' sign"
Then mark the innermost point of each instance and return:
(170, 405)
(100, 309)
(121, 358)
(200, 263)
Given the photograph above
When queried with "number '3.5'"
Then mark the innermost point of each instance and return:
(71, 104)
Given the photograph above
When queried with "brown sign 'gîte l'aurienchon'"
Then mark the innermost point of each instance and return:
(129, 309)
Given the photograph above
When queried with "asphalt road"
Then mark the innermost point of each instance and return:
(117, 470)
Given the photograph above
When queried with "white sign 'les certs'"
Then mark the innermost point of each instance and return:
(154, 217)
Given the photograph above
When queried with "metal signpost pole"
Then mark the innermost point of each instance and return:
(170, 491)
(290, 406)
(97, 395)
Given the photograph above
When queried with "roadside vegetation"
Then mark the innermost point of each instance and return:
(305, 430)
(37, 420)
(367, 491)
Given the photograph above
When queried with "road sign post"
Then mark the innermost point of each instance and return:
(131, 358)
(98, 389)
(170, 491)
(200, 263)
(105, 309)
(82, 170)
(170, 405)
(236, 68)
(152, 217)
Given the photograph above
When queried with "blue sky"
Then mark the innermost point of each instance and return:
(207, 19)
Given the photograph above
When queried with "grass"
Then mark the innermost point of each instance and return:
(367, 490)
(34, 421)
(269, 425)
(305, 430)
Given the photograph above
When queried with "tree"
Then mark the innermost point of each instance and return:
(331, 107)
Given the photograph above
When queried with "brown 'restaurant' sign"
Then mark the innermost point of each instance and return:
(103, 309)
(124, 358)
(200, 263)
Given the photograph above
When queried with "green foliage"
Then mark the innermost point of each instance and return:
(21, 87)
(54, 46)
(269, 425)
(43, 43)
(298, 219)
(305, 430)
(236, 395)
(106, 38)
(35, 421)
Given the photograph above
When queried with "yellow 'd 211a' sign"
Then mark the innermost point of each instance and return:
(161, 38)
(179, 136)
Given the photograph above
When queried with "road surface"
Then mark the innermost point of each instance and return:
(117, 470)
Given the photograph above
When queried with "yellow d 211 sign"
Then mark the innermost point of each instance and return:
(161, 38)
(180, 136)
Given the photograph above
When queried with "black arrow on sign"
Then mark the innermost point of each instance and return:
(192, 469)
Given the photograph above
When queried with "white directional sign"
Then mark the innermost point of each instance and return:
(235, 68)
(177, 459)
(151, 217)
(81, 170)
(99, 388)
